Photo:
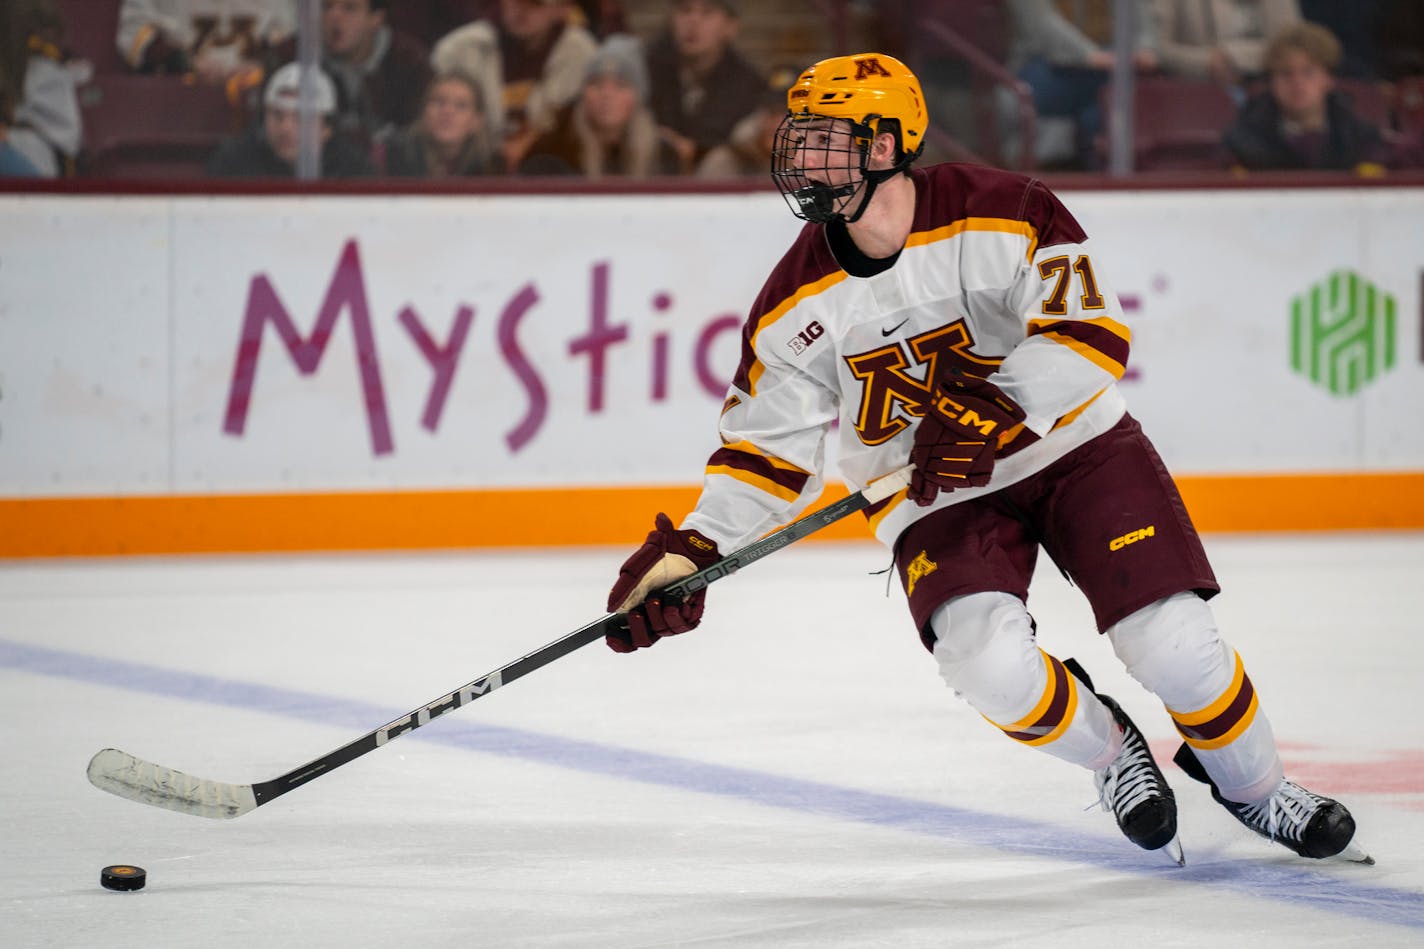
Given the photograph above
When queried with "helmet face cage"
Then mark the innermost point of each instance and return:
(835, 110)
(819, 165)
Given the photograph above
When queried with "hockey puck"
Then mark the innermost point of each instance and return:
(123, 878)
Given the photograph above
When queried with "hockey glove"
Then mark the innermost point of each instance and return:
(956, 440)
(666, 556)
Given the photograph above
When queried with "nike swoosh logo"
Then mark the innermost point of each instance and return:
(895, 327)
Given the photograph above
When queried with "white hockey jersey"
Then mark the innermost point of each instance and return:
(996, 280)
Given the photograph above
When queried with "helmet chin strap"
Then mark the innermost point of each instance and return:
(871, 179)
(818, 201)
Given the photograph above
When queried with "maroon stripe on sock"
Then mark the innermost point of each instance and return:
(1053, 716)
(1227, 720)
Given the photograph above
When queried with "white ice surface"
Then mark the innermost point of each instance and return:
(793, 774)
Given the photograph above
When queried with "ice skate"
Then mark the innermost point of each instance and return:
(1310, 824)
(1133, 788)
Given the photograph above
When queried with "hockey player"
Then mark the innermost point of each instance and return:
(956, 316)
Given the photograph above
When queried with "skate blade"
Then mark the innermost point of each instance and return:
(1172, 849)
(1354, 853)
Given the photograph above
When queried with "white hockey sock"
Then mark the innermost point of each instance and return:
(988, 655)
(1173, 648)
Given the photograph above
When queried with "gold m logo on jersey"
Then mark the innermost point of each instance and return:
(870, 66)
(1131, 537)
(890, 395)
(919, 568)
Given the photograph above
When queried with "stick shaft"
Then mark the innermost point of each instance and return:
(579, 638)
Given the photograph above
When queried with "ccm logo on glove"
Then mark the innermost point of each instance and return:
(955, 442)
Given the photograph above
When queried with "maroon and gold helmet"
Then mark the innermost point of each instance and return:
(866, 89)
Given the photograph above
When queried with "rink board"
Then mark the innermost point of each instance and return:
(292, 373)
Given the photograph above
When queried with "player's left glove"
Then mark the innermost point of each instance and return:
(956, 440)
(666, 556)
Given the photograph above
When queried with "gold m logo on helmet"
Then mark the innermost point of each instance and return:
(870, 66)
(1131, 537)
(919, 568)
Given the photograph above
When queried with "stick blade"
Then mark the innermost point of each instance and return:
(134, 779)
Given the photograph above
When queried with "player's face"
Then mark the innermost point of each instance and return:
(451, 113)
(825, 152)
(1299, 85)
(348, 26)
(609, 103)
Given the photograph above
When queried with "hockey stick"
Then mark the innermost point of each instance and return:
(121, 773)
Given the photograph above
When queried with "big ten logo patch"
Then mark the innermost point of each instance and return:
(802, 341)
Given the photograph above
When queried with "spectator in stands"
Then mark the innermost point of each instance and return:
(1223, 41)
(747, 151)
(452, 137)
(530, 59)
(1300, 122)
(43, 121)
(222, 43)
(13, 164)
(609, 129)
(1063, 50)
(702, 85)
(269, 150)
(381, 75)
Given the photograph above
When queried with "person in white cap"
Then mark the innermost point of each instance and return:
(269, 150)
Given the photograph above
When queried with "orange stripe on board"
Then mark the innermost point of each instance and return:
(1305, 502)
(74, 527)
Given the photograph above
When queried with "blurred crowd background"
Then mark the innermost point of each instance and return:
(457, 89)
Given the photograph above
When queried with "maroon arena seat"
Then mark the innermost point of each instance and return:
(1409, 104)
(1371, 101)
(1178, 124)
(151, 126)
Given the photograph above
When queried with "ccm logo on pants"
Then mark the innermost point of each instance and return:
(1131, 537)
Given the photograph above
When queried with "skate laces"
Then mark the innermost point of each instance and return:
(1282, 815)
(1129, 779)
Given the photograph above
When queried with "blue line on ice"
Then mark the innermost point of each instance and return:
(1262, 879)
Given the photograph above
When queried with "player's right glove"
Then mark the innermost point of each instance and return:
(666, 556)
(956, 440)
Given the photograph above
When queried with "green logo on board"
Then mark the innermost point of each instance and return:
(1343, 333)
